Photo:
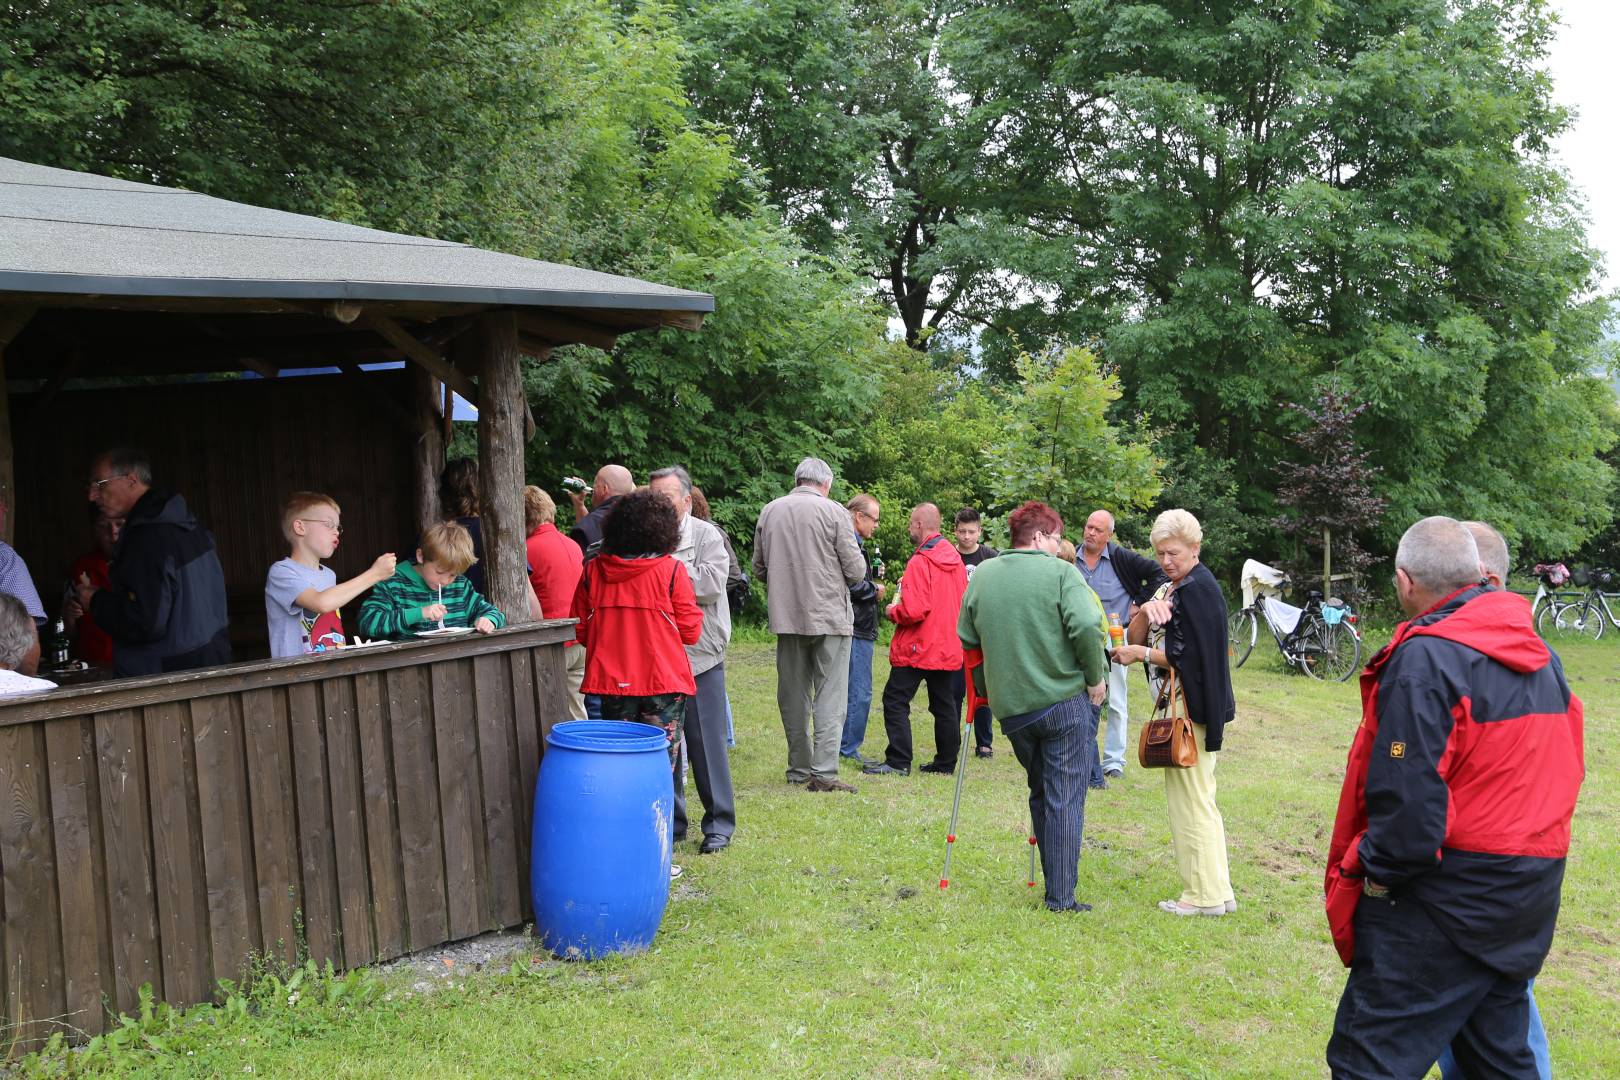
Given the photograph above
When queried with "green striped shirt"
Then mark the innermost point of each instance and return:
(394, 608)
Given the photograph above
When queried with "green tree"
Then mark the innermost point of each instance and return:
(1059, 445)
(1266, 196)
(867, 126)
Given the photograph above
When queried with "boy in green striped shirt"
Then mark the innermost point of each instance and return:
(432, 588)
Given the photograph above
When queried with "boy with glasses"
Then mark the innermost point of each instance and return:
(302, 597)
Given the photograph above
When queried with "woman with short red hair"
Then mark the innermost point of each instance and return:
(1041, 630)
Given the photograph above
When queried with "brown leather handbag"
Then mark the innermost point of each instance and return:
(1168, 740)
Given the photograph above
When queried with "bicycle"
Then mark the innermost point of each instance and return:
(1323, 640)
(1584, 617)
(1551, 591)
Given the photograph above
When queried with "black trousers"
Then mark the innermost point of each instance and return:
(897, 695)
(1411, 992)
(982, 735)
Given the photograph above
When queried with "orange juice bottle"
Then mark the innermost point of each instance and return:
(1116, 632)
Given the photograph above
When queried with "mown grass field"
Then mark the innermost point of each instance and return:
(821, 945)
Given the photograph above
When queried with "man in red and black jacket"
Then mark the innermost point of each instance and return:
(925, 648)
(1448, 850)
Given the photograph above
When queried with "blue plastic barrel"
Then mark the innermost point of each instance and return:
(599, 868)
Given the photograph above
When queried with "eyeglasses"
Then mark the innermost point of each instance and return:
(96, 485)
(334, 526)
(873, 518)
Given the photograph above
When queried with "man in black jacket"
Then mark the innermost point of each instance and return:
(864, 597)
(1123, 582)
(164, 607)
(613, 482)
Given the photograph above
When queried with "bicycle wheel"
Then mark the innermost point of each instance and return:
(1579, 621)
(1547, 617)
(1241, 629)
(1329, 652)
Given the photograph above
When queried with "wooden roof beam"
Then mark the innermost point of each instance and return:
(420, 354)
(566, 330)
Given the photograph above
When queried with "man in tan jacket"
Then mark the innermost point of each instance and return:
(806, 553)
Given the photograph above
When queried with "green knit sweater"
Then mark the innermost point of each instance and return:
(394, 608)
(1041, 629)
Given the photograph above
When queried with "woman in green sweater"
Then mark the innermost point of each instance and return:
(1041, 630)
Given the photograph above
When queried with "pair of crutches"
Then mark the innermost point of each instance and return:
(972, 659)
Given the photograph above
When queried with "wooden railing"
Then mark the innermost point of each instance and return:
(166, 830)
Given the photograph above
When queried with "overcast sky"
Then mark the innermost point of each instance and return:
(1583, 63)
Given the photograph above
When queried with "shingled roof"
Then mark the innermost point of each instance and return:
(66, 232)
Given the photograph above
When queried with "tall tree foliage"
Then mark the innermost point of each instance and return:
(868, 129)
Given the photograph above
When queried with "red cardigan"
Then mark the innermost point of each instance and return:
(634, 617)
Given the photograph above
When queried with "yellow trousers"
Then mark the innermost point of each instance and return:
(1197, 831)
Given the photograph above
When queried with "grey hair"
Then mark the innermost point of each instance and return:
(1493, 550)
(1439, 555)
(812, 470)
(126, 459)
(17, 631)
(677, 472)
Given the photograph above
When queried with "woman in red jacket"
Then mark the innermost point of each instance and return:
(636, 610)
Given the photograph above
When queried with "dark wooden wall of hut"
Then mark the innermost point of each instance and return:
(235, 448)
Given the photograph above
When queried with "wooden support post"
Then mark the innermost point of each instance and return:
(1327, 561)
(427, 451)
(12, 321)
(500, 464)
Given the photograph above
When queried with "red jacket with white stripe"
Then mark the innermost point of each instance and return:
(1462, 780)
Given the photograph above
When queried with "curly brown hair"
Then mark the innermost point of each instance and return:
(642, 523)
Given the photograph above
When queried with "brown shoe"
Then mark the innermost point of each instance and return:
(822, 783)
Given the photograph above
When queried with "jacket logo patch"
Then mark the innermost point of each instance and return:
(1397, 749)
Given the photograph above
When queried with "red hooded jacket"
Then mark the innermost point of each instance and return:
(930, 601)
(1462, 781)
(634, 617)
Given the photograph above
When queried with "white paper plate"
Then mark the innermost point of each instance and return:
(449, 631)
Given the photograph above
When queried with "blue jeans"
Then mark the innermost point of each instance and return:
(1538, 1045)
(1058, 751)
(860, 696)
(593, 707)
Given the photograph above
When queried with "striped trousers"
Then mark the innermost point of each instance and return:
(1057, 751)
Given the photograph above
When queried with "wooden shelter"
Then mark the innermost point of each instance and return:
(163, 830)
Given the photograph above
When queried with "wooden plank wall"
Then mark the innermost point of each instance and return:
(235, 449)
(380, 811)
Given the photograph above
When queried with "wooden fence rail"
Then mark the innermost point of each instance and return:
(166, 830)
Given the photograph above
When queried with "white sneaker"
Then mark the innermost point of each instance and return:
(674, 871)
(1176, 907)
(1231, 906)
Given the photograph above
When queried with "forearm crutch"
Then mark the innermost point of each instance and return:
(956, 802)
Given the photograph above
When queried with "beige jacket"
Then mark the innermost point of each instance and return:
(806, 553)
(707, 564)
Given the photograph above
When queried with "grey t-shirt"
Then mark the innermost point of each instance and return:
(293, 630)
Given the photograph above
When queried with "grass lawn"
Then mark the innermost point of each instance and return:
(821, 945)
